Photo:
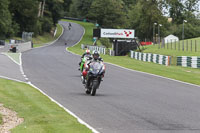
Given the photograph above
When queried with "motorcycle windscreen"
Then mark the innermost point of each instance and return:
(95, 67)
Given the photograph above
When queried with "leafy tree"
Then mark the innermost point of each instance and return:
(106, 42)
(73, 10)
(80, 8)
(108, 13)
(176, 11)
(56, 9)
(25, 14)
(6, 25)
(66, 7)
(46, 24)
(143, 15)
(129, 2)
(191, 5)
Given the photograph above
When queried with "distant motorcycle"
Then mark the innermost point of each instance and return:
(69, 26)
(94, 77)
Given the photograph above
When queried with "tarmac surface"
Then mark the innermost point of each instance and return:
(10, 69)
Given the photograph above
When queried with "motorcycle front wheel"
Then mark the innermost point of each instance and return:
(95, 85)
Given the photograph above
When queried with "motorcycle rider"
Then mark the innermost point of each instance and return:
(69, 26)
(86, 54)
(96, 58)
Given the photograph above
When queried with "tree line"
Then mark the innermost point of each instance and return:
(40, 16)
(140, 15)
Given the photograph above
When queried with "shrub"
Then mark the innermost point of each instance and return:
(106, 42)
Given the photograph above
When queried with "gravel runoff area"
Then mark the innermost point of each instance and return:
(10, 119)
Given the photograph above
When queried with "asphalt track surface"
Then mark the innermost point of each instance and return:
(126, 102)
(10, 69)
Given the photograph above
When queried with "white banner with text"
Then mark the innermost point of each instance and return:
(117, 33)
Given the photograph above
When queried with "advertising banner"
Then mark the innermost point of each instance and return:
(117, 33)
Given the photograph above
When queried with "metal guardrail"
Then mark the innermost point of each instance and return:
(12, 41)
(111, 52)
(101, 50)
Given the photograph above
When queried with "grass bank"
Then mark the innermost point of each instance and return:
(37, 42)
(175, 49)
(40, 114)
(1, 119)
(43, 39)
(175, 72)
(46, 38)
(14, 56)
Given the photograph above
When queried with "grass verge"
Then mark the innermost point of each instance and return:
(14, 56)
(178, 52)
(1, 121)
(46, 38)
(190, 75)
(40, 114)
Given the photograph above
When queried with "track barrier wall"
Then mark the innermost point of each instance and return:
(188, 61)
(155, 58)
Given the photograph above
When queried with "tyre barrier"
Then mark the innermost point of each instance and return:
(155, 58)
(188, 61)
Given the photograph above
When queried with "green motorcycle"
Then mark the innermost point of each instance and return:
(82, 67)
(83, 60)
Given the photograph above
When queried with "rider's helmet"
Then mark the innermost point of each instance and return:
(87, 51)
(95, 55)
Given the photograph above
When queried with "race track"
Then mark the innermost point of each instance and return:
(126, 102)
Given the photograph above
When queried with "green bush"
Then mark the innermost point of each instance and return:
(47, 24)
(106, 42)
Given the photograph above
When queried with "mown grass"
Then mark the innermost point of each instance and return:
(40, 114)
(43, 39)
(175, 72)
(176, 49)
(14, 56)
(1, 121)
(46, 38)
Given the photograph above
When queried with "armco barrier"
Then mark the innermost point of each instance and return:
(82, 46)
(188, 61)
(101, 50)
(21, 47)
(111, 52)
(148, 57)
